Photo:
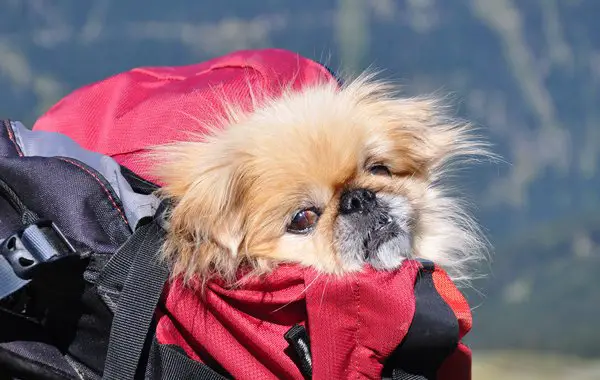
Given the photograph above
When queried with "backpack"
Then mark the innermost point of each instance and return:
(84, 296)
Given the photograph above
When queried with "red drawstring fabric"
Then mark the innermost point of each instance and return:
(354, 322)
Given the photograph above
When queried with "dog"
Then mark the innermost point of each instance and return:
(326, 177)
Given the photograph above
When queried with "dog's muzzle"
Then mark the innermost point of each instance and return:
(369, 218)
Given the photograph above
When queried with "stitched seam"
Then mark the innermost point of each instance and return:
(110, 197)
(12, 138)
(357, 333)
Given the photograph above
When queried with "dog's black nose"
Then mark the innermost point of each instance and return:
(357, 200)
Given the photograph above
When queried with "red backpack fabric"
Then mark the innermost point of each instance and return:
(355, 325)
(399, 324)
(123, 115)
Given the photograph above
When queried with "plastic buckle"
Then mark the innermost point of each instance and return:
(34, 247)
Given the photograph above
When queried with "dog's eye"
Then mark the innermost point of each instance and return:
(304, 220)
(380, 170)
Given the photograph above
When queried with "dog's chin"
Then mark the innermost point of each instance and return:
(384, 250)
(381, 237)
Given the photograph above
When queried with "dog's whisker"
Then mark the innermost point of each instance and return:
(299, 295)
(323, 293)
(192, 117)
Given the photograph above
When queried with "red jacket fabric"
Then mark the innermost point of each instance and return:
(354, 323)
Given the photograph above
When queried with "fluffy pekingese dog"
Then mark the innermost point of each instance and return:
(328, 177)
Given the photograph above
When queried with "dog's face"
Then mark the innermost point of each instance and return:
(331, 192)
(328, 178)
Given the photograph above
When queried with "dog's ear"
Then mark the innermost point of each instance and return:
(205, 223)
(424, 134)
(199, 175)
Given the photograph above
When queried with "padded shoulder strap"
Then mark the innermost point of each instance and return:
(135, 310)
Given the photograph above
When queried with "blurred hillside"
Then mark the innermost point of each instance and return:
(528, 71)
(523, 365)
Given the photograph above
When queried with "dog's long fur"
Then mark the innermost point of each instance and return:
(232, 188)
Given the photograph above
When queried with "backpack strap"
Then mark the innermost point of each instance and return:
(142, 289)
(144, 279)
(169, 362)
(433, 335)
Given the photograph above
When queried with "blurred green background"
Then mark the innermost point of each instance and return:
(527, 71)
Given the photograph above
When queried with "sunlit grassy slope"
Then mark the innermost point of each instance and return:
(523, 365)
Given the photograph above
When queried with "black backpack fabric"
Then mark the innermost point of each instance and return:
(73, 224)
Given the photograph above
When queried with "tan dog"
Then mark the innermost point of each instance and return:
(325, 177)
